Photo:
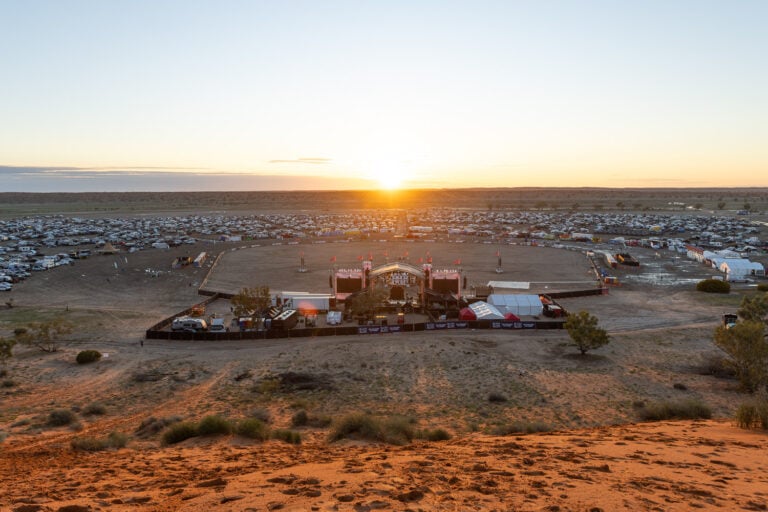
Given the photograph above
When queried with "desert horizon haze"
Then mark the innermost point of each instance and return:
(114, 96)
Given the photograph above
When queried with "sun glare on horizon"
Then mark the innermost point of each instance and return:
(391, 174)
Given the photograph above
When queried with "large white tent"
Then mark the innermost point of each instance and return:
(517, 303)
(485, 311)
(739, 269)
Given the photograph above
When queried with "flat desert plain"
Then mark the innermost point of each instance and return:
(592, 455)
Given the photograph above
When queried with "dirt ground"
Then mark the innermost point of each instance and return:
(661, 333)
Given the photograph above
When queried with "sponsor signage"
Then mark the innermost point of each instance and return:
(379, 329)
(431, 326)
(513, 325)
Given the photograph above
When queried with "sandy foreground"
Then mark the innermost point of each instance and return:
(662, 466)
(596, 457)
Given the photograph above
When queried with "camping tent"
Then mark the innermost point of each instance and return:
(467, 314)
(512, 317)
(517, 303)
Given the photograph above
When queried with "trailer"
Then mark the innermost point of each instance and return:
(305, 302)
(200, 259)
(286, 320)
(627, 259)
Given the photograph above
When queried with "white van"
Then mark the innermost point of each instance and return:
(185, 323)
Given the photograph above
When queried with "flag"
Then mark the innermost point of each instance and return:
(457, 261)
(370, 256)
(360, 258)
(498, 253)
(333, 259)
(421, 260)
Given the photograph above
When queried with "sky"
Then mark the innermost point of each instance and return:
(259, 95)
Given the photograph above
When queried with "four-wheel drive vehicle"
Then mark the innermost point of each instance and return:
(217, 325)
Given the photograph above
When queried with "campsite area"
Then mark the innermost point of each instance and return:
(591, 455)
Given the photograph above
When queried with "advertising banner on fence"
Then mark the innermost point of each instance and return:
(431, 326)
(513, 325)
(376, 329)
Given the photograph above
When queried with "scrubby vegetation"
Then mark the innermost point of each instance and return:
(253, 428)
(88, 356)
(90, 444)
(287, 436)
(437, 434)
(214, 425)
(521, 427)
(395, 430)
(746, 351)
(61, 417)
(94, 409)
(754, 413)
(497, 398)
(304, 419)
(685, 410)
(762, 287)
(151, 426)
(179, 432)
(713, 286)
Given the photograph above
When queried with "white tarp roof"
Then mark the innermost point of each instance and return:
(485, 311)
(509, 285)
(517, 303)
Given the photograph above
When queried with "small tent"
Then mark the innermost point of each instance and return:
(467, 314)
(511, 317)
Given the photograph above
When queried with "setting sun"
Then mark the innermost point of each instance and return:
(390, 174)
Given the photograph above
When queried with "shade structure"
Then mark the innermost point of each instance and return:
(467, 314)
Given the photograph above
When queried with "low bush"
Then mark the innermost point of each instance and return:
(88, 356)
(762, 287)
(214, 425)
(718, 366)
(8, 383)
(713, 286)
(521, 427)
(94, 409)
(151, 426)
(61, 417)
(680, 386)
(754, 413)
(179, 432)
(300, 419)
(288, 436)
(497, 398)
(437, 434)
(685, 410)
(91, 444)
(253, 428)
(395, 430)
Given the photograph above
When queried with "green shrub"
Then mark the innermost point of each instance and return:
(91, 444)
(685, 410)
(61, 417)
(762, 287)
(497, 398)
(253, 428)
(521, 427)
(151, 426)
(8, 383)
(94, 409)
(300, 419)
(288, 436)
(20, 331)
(438, 434)
(214, 425)
(179, 432)
(88, 356)
(395, 430)
(754, 413)
(713, 286)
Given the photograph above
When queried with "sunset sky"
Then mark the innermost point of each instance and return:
(249, 95)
